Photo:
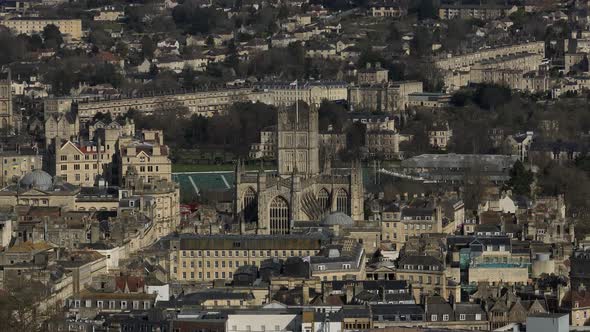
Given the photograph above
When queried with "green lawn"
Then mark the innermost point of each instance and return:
(181, 168)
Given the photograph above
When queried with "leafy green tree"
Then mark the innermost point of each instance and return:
(148, 47)
(101, 39)
(368, 56)
(233, 58)
(283, 12)
(355, 136)
(153, 70)
(427, 9)
(520, 179)
(332, 115)
(104, 117)
(393, 34)
(210, 41)
(122, 49)
(52, 36)
(489, 97)
(461, 98)
(196, 20)
(188, 78)
(13, 49)
(421, 44)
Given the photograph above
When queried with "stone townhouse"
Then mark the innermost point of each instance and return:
(206, 258)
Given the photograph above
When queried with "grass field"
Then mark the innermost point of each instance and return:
(194, 179)
(183, 168)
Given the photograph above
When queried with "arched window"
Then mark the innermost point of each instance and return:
(342, 201)
(250, 205)
(249, 197)
(279, 216)
(324, 199)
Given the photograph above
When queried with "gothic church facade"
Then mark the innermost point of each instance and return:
(300, 190)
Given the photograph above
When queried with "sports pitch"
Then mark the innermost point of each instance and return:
(192, 183)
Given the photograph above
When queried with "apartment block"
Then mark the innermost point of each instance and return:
(479, 11)
(30, 26)
(515, 79)
(385, 9)
(427, 275)
(391, 97)
(205, 103)
(469, 59)
(210, 257)
(312, 92)
(398, 226)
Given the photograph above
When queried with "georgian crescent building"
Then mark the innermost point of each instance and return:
(269, 203)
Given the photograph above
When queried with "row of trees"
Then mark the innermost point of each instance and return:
(17, 48)
(238, 128)
(63, 75)
(235, 130)
(476, 111)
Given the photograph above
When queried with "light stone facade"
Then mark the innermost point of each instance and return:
(210, 257)
(15, 164)
(478, 11)
(148, 156)
(439, 136)
(268, 203)
(376, 75)
(392, 97)
(206, 103)
(30, 26)
(456, 69)
(61, 126)
(515, 79)
(110, 153)
(6, 113)
(386, 10)
(312, 93)
(469, 59)
(384, 143)
(80, 164)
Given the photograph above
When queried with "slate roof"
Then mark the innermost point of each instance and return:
(404, 309)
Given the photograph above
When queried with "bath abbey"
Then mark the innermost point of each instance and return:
(301, 189)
